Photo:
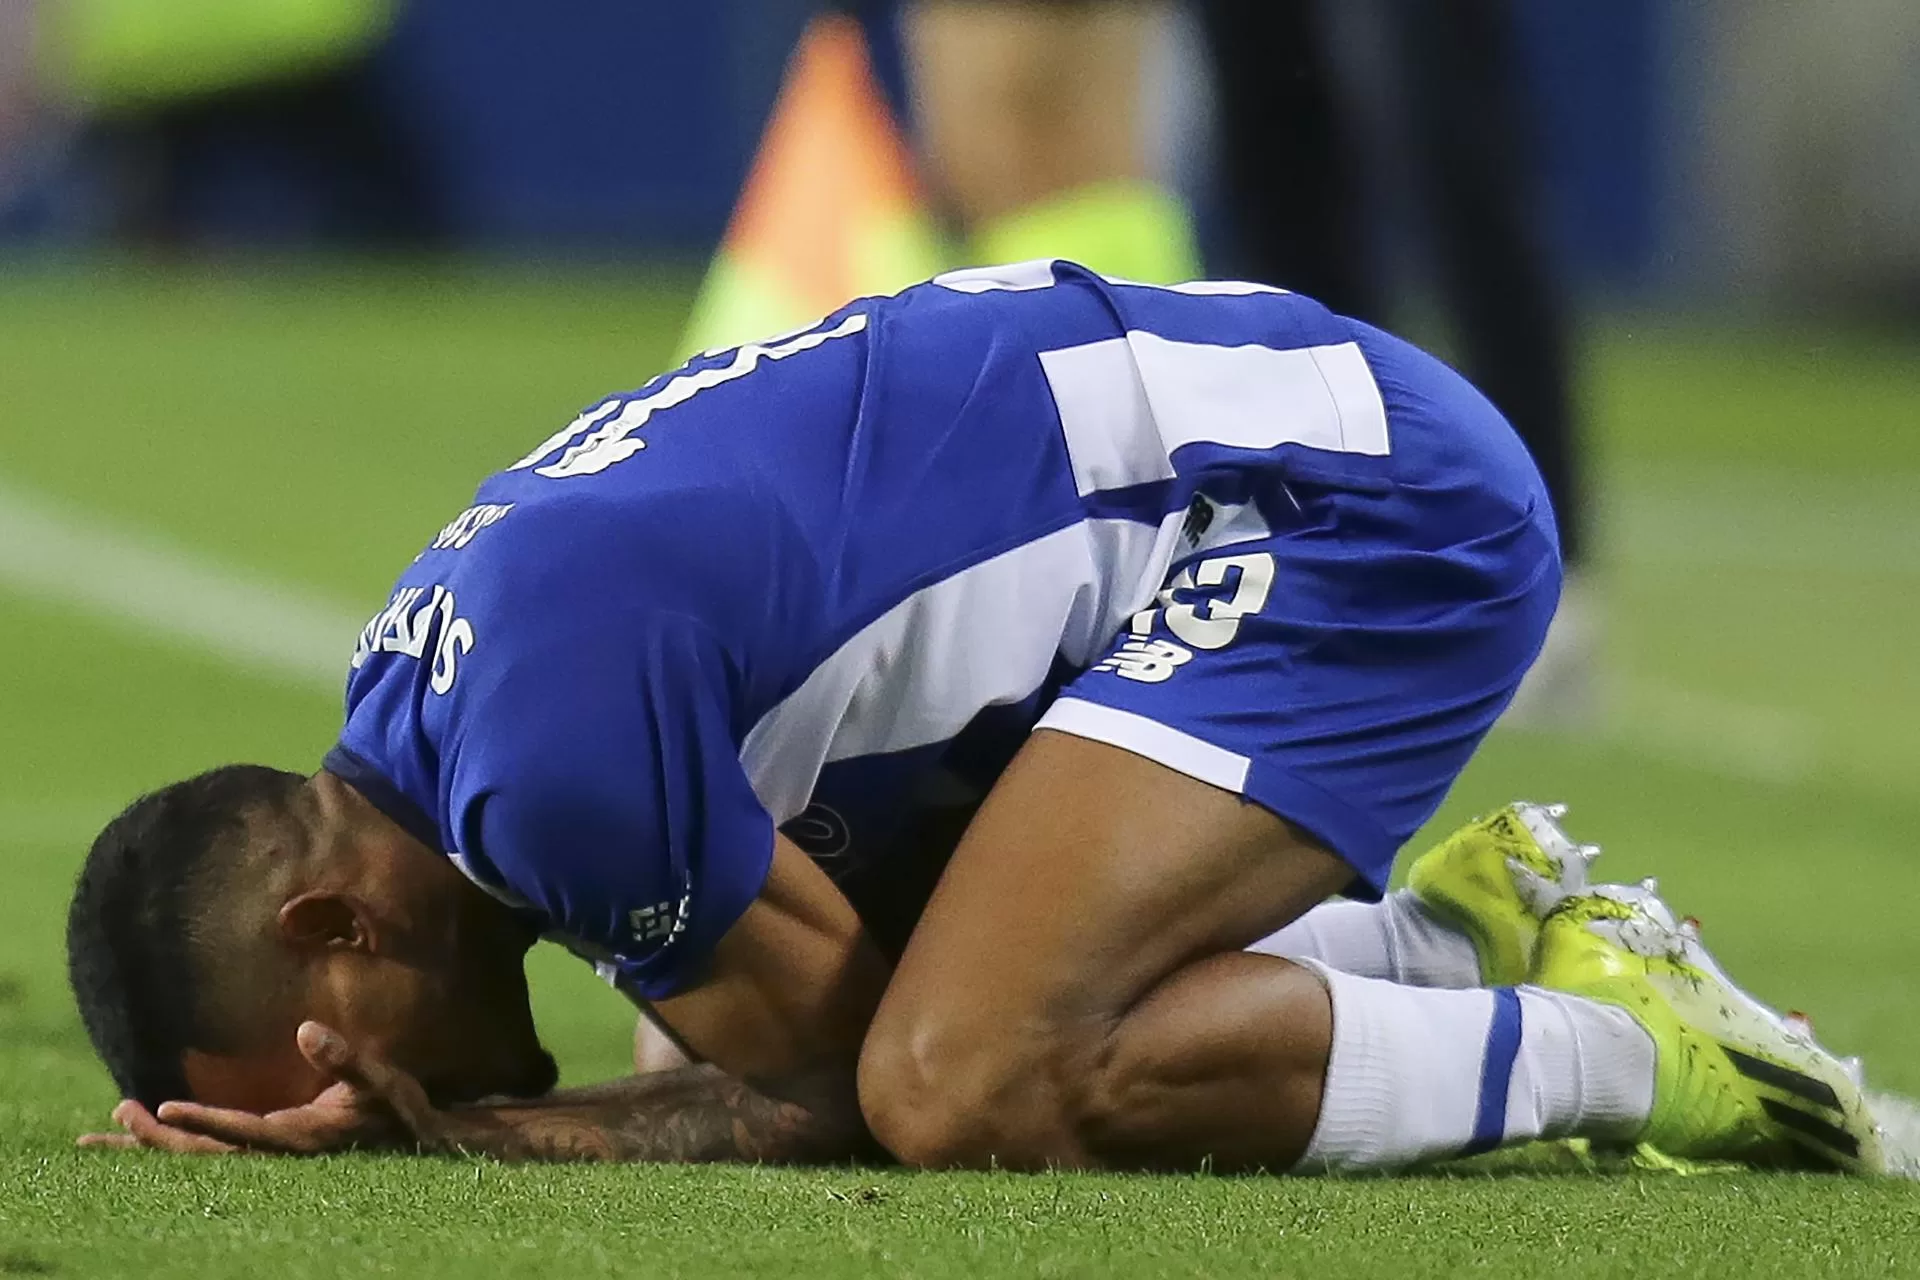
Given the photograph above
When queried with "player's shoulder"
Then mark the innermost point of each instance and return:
(549, 558)
(1035, 296)
(1059, 303)
(971, 331)
(523, 603)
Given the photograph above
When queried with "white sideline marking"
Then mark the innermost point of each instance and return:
(1734, 739)
(1697, 520)
(63, 555)
(1742, 741)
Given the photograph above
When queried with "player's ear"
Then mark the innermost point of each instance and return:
(328, 921)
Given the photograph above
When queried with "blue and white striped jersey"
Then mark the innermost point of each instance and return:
(826, 564)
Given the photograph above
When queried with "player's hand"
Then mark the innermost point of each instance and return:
(370, 1104)
(140, 1128)
(336, 1120)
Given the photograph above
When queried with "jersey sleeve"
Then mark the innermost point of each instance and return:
(599, 783)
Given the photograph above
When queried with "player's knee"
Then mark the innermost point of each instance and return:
(938, 1101)
(915, 1097)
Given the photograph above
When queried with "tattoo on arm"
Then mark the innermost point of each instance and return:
(693, 1115)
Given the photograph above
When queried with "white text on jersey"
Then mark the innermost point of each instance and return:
(466, 526)
(611, 426)
(402, 629)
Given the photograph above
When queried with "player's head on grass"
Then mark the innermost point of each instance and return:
(217, 914)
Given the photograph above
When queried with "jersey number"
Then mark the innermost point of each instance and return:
(1211, 622)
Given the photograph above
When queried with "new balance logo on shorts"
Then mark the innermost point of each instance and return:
(1148, 661)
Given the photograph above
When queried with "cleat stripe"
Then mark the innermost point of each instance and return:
(1496, 1072)
(1813, 1127)
(1785, 1079)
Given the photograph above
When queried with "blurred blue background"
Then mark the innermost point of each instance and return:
(608, 125)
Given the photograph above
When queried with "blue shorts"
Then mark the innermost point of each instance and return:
(1335, 650)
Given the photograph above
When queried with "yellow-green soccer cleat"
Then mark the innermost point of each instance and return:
(1733, 1080)
(1497, 878)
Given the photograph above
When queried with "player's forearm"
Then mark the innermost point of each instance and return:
(689, 1116)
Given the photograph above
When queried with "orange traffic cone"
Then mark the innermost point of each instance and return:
(831, 210)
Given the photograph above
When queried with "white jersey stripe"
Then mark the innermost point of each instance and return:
(1112, 441)
(1013, 277)
(1259, 397)
(981, 637)
(1126, 404)
(1357, 405)
(1038, 273)
(1204, 288)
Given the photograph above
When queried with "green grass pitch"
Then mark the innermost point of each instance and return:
(314, 427)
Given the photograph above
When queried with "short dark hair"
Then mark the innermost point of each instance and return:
(136, 910)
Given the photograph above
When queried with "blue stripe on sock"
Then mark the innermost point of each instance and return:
(1496, 1072)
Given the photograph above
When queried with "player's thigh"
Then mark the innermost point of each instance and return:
(1089, 876)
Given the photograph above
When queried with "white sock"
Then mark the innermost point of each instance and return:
(1419, 1075)
(1396, 938)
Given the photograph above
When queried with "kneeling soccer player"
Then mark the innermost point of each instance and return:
(1208, 592)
